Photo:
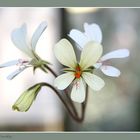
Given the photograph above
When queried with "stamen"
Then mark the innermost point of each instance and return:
(22, 62)
(78, 68)
(78, 72)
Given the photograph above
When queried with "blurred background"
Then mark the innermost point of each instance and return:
(115, 108)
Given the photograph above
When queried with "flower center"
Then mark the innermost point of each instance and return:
(78, 72)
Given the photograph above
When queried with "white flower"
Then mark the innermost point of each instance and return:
(107, 69)
(78, 73)
(94, 33)
(19, 38)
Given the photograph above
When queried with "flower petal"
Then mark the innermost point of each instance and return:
(95, 82)
(64, 80)
(79, 37)
(64, 52)
(110, 71)
(18, 37)
(78, 91)
(90, 54)
(10, 63)
(37, 34)
(121, 53)
(15, 73)
(93, 32)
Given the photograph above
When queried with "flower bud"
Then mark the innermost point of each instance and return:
(26, 99)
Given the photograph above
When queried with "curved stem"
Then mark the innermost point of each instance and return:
(70, 101)
(63, 101)
(47, 67)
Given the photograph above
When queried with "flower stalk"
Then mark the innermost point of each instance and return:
(69, 105)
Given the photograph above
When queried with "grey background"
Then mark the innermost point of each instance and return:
(69, 3)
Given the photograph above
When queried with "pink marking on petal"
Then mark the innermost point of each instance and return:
(22, 62)
(76, 83)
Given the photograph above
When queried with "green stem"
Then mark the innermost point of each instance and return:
(47, 67)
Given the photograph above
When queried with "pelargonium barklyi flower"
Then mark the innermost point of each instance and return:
(94, 33)
(78, 73)
(19, 38)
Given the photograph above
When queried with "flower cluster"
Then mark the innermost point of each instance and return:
(78, 74)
